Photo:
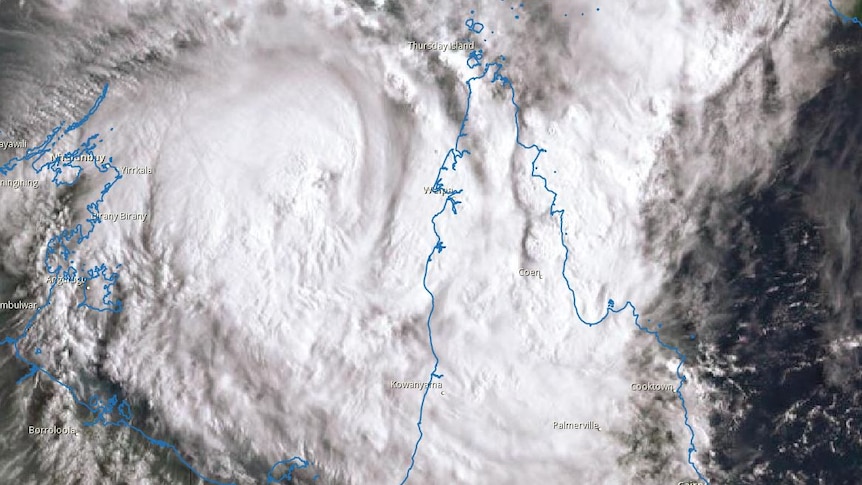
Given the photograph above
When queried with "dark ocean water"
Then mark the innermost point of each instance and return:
(775, 274)
(771, 285)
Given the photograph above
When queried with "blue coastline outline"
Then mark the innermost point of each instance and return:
(475, 60)
(110, 412)
(59, 247)
(844, 18)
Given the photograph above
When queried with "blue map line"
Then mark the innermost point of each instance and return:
(454, 154)
(58, 248)
(611, 305)
(844, 18)
(474, 61)
(295, 463)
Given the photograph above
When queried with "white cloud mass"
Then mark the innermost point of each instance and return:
(275, 291)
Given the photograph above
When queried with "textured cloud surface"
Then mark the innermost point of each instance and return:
(285, 157)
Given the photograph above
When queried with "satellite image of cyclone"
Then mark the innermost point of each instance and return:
(362, 242)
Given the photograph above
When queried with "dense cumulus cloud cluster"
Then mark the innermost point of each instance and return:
(273, 224)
